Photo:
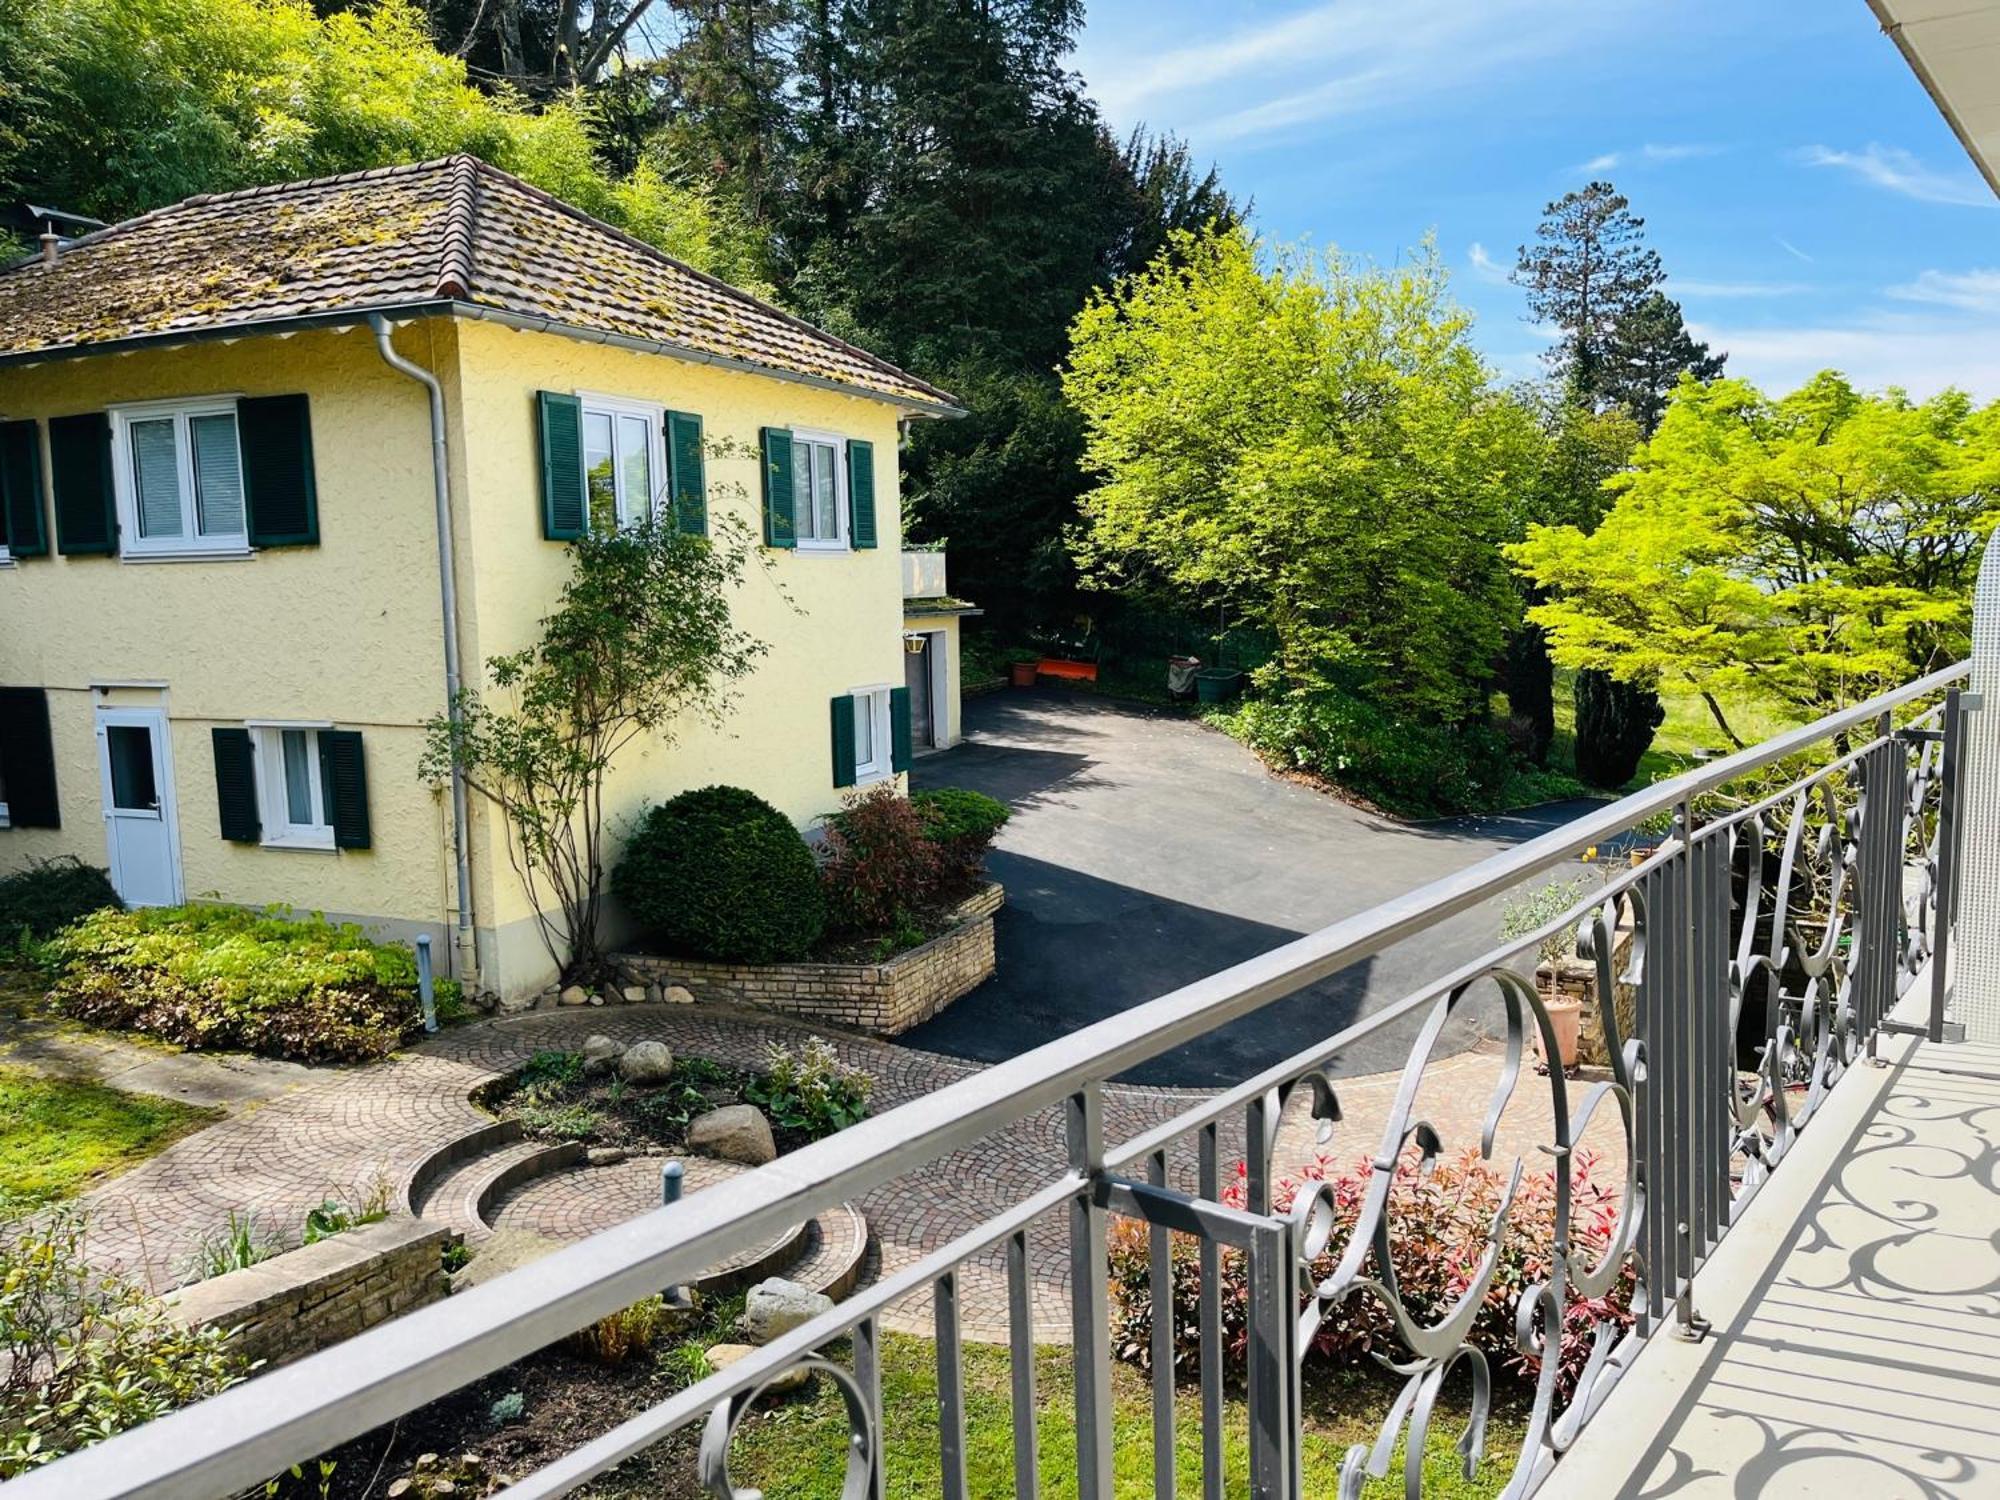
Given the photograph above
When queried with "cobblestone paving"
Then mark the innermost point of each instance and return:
(354, 1128)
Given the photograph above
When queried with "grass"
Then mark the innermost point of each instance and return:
(797, 1449)
(59, 1136)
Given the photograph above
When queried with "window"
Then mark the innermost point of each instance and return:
(178, 471)
(871, 735)
(624, 461)
(819, 491)
(294, 791)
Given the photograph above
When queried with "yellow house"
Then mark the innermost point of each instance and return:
(279, 466)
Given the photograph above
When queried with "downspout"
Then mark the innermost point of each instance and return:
(467, 966)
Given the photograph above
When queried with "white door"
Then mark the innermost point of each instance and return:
(140, 830)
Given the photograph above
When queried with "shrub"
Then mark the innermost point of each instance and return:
(811, 1090)
(221, 976)
(881, 864)
(615, 1339)
(48, 895)
(553, 1070)
(1402, 765)
(719, 873)
(1439, 1221)
(1615, 722)
(84, 1354)
(963, 825)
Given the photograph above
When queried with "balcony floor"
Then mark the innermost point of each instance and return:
(1856, 1313)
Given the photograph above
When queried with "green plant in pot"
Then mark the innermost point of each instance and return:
(1531, 912)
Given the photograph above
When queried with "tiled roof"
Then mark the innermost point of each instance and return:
(449, 231)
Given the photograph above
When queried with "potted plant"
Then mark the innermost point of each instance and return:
(1023, 666)
(1529, 913)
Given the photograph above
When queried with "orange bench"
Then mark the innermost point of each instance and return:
(1074, 671)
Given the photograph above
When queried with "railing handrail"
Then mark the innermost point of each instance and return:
(235, 1440)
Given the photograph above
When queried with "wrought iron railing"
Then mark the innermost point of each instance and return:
(1762, 943)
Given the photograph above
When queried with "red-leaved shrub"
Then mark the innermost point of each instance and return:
(880, 865)
(1438, 1222)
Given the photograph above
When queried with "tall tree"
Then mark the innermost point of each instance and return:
(1649, 350)
(1587, 268)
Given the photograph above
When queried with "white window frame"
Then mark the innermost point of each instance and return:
(842, 540)
(132, 545)
(267, 736)
(873, 701)
(655, 416)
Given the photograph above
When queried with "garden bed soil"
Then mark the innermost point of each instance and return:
(555, 1105)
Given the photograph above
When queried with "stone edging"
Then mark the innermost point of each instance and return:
(886, 998)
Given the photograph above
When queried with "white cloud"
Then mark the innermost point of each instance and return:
(1680, 152)
(1898, 171)
(1602, 163)
(1334, 60)
(1484, 266)
(1792, 249)
(1975, 291)
(1922, 355)
(1677, 286)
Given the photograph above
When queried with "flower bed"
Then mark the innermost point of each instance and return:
(226, 977)
(884, 997)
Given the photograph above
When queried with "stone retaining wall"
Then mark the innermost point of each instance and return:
(306, 1299)
(885, 998)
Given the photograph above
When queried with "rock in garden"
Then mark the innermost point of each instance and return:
(604, 1156)
(736, 1132)
(722, 1356)
(576, 994)
(679, 994)
(635, 994)
(600, 1053)
(646, 1062)
(775, 1306)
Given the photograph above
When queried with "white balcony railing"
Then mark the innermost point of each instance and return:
(923, 575)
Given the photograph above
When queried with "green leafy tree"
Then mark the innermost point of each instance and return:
(640, 644)
(136, 103)
(1314, 445)
(1812, 549)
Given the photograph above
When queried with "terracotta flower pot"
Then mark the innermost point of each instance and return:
(1023, 673)
(1566, 1020)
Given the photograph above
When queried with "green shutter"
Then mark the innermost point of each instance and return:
(780, 529)
(80, 469)
(861, 491)
(28, 759)
(561, 427)
(843, 740)
(900, 752)
(279, 493)
(344, 770)
(684, 463)
(236, 785)
(21, 490)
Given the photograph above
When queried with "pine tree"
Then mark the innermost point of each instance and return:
(1650, 349)
(1587, 269)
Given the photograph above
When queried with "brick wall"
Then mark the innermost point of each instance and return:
(293, 1304)
(884, 998)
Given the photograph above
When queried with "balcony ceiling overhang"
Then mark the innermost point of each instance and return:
(1953, 46)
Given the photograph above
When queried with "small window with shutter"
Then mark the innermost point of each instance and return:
(211, 478)
(27, 761)
(293, 786)
(865, 737)
(22, 532)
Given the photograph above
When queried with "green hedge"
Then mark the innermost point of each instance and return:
(718, 873)
(48, 895)
(226, 977)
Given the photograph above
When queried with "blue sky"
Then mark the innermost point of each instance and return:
(1811, 206)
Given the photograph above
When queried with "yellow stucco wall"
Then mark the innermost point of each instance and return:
(950, 723)
(833, 622)
(345, 632)
(348, 632)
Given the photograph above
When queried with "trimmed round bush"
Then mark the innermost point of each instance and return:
(718, 873)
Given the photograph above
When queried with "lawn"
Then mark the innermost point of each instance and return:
(59, 1136)
(797, 1450)
(1688, 727)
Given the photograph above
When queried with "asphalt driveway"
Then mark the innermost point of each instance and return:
(1147, 850)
